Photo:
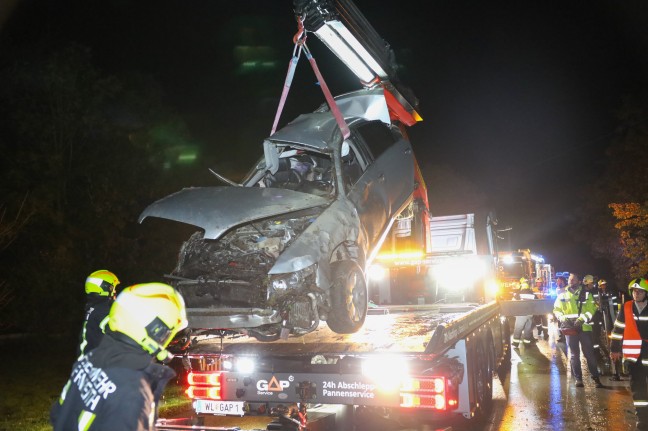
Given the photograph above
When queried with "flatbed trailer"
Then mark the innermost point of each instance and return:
(415, 363)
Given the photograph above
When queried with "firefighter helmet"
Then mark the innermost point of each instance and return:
(102, 282)
(588, 279)
(602, 282)
(151, 314)
(638, 283)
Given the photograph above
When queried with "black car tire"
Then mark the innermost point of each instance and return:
(348, 297)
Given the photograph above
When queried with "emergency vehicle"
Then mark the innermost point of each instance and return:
(410, 363)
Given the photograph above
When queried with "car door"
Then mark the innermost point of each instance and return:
(385, 183)
(393, 163)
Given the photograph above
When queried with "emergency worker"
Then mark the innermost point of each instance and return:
(630, 341)
(117, 385)
(608, 306)
(597, 318)
(541, 321)
(100, 290)
(523, 329)
(578, 306)
(561, 285)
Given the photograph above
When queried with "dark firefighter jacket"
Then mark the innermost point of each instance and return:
(524, 294)
(96, 310)
(619, 329)
(116, 386)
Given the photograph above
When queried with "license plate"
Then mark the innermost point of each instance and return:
(220, 407)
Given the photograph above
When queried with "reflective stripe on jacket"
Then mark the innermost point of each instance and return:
(631, 338)
(567, 306)
(632, 326)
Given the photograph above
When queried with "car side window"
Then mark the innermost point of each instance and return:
(377, 136)
(351, 167)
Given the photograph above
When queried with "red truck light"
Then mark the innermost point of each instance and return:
(427, 393)
(204, 385)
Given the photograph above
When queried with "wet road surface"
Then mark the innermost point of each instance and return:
(539, 395)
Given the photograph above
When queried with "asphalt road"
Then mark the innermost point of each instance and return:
(538, 395)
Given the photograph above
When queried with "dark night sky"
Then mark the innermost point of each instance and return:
(516, 96)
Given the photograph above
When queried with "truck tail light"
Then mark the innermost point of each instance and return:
(204, 385)
(427, 393)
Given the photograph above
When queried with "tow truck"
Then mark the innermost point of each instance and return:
(407, 363)
(460, 266)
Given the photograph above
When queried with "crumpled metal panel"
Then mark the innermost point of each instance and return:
(218, 209)
(338, 223)
(367, 104)
(319, 130)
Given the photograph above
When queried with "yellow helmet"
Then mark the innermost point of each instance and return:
(523, 280)
(151, 314)
(638, 283)
(601, 282)
(102, 282)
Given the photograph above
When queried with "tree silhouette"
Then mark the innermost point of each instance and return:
(80, 162)
(613, 213)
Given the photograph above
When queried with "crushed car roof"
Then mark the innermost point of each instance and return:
(319, 130)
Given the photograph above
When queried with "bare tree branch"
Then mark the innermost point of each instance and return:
(9, 229)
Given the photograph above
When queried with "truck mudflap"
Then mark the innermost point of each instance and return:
(527, 307)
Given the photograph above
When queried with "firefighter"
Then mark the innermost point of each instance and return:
(630, 342)
(523, 330)
(117, 385)
(608, 305)
(100, 289)
(578, 306)
(541, 321)
(597, 318)
(561, 283)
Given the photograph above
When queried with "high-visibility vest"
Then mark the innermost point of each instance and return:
(631, 337)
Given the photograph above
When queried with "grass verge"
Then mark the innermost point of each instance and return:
(33, 371)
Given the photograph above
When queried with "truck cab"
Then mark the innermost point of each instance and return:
(459, 267)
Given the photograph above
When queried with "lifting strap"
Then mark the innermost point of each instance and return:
(300, 45)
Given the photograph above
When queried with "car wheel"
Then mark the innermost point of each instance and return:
(348, 298)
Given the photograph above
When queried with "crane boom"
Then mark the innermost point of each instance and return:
(341, 26)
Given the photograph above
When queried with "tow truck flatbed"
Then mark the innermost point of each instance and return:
(404, 329)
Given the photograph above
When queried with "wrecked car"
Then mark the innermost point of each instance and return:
(288, 246)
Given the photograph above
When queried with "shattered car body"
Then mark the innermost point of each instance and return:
(288, 247)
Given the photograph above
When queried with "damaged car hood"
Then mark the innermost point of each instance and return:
(218, 209)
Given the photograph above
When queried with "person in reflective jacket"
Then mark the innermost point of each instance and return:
(523, 329)
(100, 289)
(630, 341)
(578, 305)
(117, 385)
(609, 306)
